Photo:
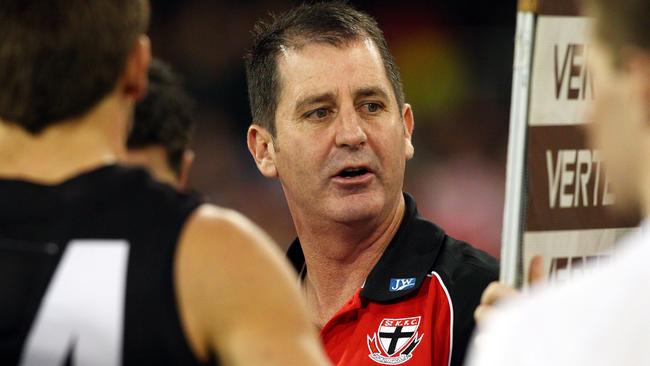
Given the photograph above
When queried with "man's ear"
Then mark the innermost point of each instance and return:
(409, 124)
(134, 80)
(186, 165)
(260, 145)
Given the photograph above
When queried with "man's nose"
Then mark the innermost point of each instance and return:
(350, 130)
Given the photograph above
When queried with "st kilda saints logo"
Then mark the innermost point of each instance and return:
(395, 340)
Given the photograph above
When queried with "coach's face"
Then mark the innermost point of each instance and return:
(342, 143)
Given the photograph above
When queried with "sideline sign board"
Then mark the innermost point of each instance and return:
(563, 211)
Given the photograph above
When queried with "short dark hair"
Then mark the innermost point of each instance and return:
(623, 23)
(58, 58)
(335, 23)
(164, 116)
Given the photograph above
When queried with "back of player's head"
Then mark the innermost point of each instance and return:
(335, 23)
(164, 116)
(623, 23)
(58, 58)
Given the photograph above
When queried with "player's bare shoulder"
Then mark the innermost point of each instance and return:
(224, 267)
(222, 246)
(220, 231)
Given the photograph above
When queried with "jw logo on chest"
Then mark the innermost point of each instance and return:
(401, 284)
(395, 340)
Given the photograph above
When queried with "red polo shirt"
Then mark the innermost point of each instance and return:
(416, 306)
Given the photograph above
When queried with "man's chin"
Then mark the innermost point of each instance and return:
(356, 208)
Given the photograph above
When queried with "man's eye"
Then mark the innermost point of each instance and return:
(372, 107)
(319, 113)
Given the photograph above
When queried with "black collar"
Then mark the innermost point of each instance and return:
(407, 260)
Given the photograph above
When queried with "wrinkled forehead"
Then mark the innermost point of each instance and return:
(320, 67)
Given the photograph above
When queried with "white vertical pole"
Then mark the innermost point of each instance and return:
(516, 165)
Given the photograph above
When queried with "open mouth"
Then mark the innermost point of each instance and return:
(352, 172)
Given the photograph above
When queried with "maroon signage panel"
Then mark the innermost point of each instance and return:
(568, 188)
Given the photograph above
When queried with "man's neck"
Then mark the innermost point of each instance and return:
(340, 257)
(153, 157)
(67, 148)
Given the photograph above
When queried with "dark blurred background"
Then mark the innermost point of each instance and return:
(455, 58)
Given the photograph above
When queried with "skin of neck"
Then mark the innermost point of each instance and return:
(69, 147)
(339, 256)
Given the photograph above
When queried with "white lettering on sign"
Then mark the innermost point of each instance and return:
(574, 178)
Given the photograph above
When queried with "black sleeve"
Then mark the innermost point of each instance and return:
(466, 272)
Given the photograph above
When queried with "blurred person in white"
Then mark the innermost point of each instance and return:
(601, 318)
(160, 135)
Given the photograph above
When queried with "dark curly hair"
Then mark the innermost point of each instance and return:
(164, 116)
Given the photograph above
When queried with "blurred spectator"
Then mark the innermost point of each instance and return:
(160, 134)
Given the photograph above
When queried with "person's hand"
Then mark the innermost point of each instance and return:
(496, 291)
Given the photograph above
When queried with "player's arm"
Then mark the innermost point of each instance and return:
(237, 296)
